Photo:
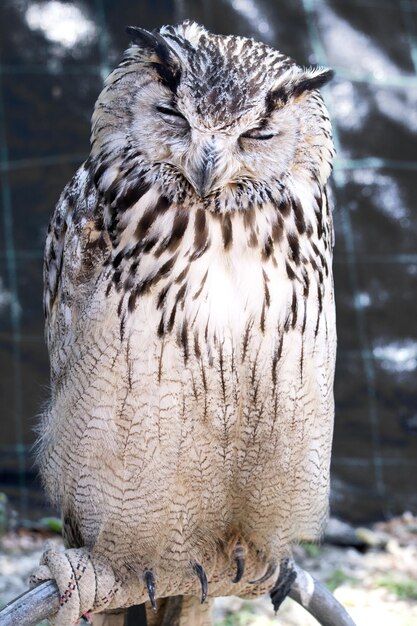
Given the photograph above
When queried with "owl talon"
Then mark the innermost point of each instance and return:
(270, 570)
(240, 564)
(281, 589)
(198, 569)
(150, 584)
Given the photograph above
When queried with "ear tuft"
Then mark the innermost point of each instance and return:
(152, 42)
(310, 79)
(142, 37)
(167, 62)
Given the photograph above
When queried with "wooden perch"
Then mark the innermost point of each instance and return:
(32, 606)
(38, 603)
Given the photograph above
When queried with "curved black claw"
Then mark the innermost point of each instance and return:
(240, 564)
(270, 570)
(281, 589)
(150, 584)
(198, 569)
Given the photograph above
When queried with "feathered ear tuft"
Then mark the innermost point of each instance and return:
(165, 59)
(311, 78)
(151, 42)
(296, 81)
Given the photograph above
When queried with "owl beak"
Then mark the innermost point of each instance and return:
(203, 176)
(202, 183)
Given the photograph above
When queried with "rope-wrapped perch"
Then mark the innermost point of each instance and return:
(42, 601)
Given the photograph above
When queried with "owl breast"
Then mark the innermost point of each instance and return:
(207, 348)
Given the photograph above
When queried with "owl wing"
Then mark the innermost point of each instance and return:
(54, 251)
(77, 243)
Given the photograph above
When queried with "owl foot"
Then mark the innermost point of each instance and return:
(240, 563)
(198, 569)
(150, 585)
(270, 570)
(281, 589)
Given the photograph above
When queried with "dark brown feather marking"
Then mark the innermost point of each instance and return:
(253, 240)
(204, 381)
(162, 205)
(197, 350)
(284, 207)
(304, 318)
(184, 340)
(116, 279)
(277, 228)
(182, 274)
(246, 337)
(294, 244)
(248, 219)
(249, 225)
(178, 228)
(320, 308)
(276, 357)
(103, 167)
(290, 271)
(200, 234)
(227, 231)
(145, 285)
(268, 248)
(306, 289)
(171, 319)
(294, 308)
(319, 216)
(299, 216)
(160, 362)
(181, 294)
(313, 263)
(162, 295)
(222, 373)
(200, 289)
(144, 224)
(132, 195)
(266, 289)
(161, 326)
(262, 323)
(119, 258)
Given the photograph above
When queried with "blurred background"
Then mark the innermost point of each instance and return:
(54, 56)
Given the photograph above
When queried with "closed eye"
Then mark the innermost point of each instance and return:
(169, 111)
(254, 134)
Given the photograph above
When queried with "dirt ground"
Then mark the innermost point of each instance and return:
(376, 580)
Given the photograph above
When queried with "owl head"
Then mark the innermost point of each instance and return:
(211, 116)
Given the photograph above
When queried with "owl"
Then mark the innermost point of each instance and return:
(191, 330)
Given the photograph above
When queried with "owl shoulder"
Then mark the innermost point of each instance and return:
(77, 242)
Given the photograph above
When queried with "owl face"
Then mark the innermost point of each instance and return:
(212, 154)
(215, 115)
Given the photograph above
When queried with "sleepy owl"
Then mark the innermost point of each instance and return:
(191, 330)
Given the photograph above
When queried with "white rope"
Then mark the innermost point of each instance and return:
(43, 601)
(85, 583)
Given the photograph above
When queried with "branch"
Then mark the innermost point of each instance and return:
(315, 598)
(37, 604)
(32, 606)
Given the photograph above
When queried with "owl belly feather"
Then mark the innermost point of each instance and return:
(186, 442)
